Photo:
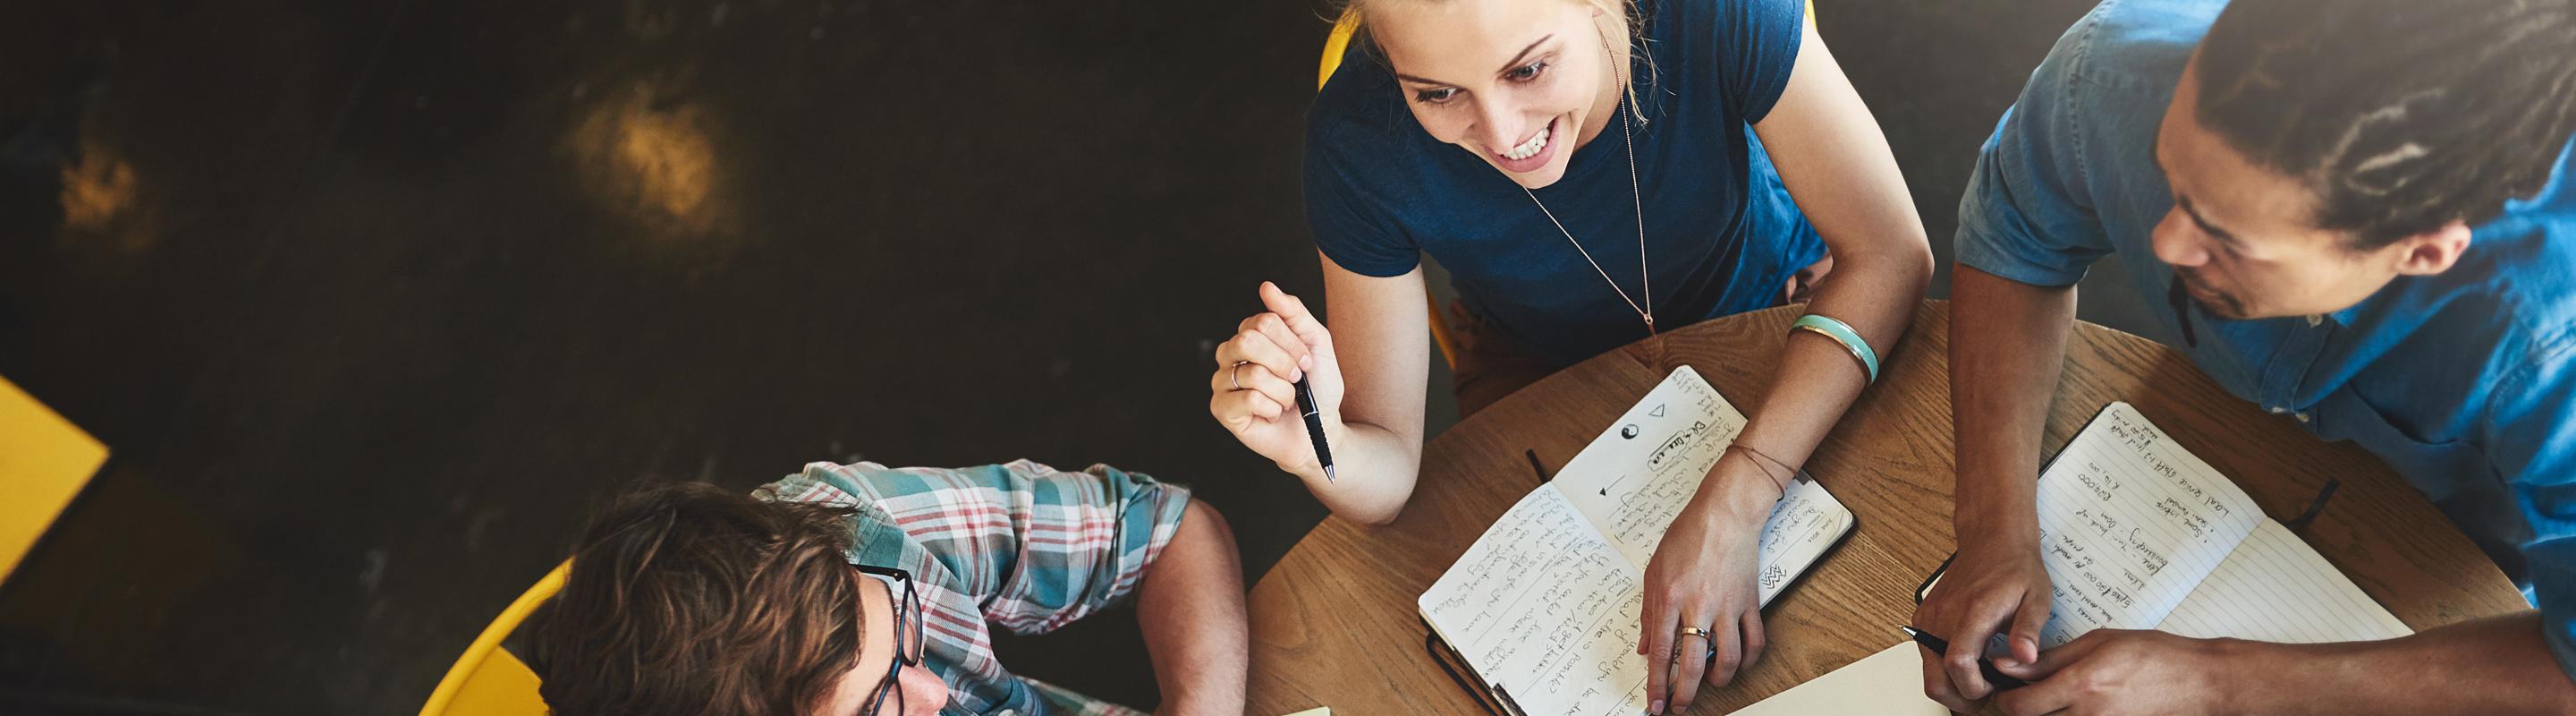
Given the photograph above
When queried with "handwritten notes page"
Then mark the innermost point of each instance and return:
(1545, 604)
(1640, 472)
(1633, 479)
(1546, 611)
(2277, 588)
(2129, 523)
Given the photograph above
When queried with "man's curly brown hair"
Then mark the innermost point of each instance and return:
(688, 598)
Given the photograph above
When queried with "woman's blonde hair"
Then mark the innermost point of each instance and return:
(1367, 45)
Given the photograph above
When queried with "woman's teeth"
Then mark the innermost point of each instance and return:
(1531, 147)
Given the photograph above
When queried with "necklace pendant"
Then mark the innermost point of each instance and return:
(1650, 325)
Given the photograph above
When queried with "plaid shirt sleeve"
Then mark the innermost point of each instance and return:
(1066, 543)
(1037, 547)
(1068, 702)
(1022, 545)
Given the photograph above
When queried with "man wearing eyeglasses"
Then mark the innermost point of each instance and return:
(856, 590)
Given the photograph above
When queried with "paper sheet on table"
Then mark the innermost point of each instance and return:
(1888, 683)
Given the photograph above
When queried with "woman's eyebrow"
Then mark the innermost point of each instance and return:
(1507, 66)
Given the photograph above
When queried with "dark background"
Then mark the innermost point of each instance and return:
(372, 299)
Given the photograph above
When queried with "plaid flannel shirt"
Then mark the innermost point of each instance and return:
(1022, 545)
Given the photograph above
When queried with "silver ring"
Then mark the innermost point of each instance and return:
(1235, 376)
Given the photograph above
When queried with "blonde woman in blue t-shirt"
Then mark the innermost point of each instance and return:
(1575, 217)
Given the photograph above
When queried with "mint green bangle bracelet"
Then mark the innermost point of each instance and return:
(1844, 334)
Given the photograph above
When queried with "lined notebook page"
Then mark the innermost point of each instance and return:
(2129, 523)
(1544, 609)
(2277, 588)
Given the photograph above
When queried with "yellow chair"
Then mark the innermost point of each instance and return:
(1337, 43)
(488, 680)
(44, 463)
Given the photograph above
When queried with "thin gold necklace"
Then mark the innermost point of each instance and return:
(1646, 285)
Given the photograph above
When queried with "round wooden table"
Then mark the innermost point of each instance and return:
(1334, 623)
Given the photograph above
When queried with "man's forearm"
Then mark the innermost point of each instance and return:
(2007, 348)
(1190, 608)
(2497, 665)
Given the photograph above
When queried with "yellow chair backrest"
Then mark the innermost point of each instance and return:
(44, 462)
(488, 680)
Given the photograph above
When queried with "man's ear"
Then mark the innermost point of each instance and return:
(2433, 251)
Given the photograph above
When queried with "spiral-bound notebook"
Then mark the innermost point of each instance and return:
(1543, 609)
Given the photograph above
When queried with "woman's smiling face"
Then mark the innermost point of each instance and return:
(1518, 83)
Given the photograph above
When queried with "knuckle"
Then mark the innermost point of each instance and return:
(2092, 682)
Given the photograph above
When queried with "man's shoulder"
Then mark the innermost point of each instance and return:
(2134, 47)
(821, 482)
(2536, 285)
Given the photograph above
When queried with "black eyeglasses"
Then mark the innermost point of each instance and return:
(907, 637)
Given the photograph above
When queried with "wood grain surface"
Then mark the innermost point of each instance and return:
(1334, 623)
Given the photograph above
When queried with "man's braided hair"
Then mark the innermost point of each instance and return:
(2401, 116)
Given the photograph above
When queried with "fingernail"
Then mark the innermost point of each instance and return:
(1655, 706)
(2008, 663)
(1306, 363)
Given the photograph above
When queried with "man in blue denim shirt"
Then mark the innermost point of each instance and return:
(2361, 217)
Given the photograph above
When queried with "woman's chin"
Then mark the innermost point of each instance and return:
(1539, 179)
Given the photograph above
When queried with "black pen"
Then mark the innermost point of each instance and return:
(1315, 426)
(1984, 666)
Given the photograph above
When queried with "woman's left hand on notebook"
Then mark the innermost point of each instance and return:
(1702, 577)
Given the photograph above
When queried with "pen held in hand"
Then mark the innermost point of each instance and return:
(1315, 426)
(1984, 665)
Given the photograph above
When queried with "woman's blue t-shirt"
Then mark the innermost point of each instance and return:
(1722, 234)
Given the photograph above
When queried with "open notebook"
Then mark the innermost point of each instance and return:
(2138, 533)
(1543, 607)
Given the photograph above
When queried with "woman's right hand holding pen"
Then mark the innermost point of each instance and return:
(1253, 390)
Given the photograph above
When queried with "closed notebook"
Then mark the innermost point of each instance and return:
(1544, 607)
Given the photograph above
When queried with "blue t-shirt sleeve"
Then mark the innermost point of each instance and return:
(1756, 45)
(1350, 224)
(2027, 215)
(2533, 443)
